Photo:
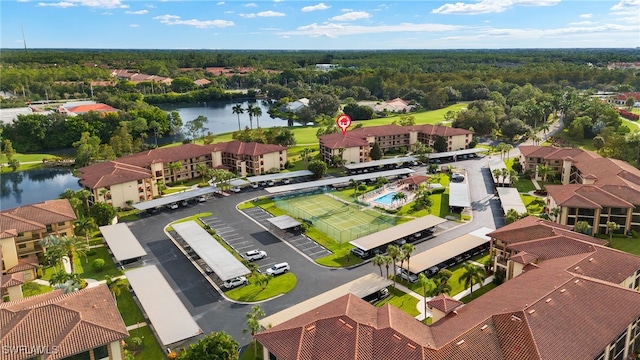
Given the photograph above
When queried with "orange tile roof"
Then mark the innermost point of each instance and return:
(35, 216)
(81, 109)
(444, 303)
(70, 323)
(585, 196)
(111, 173)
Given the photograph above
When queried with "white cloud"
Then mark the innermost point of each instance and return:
(270, 14)
(201, 24)
(139, 12)
(320, 6)
(626, 7)
(61, 4)
(220, 3)
(23, 0)
(277, 1)
(333, 30)
(581, 23)
(250, 5)
(351, 16)
(488, 6)
(106, 13)
(150, 6)
(247, 16)
(134, 25)
(586, 16)
(229, 12)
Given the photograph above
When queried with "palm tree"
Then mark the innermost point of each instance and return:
(381, 181)
(237, 109)
(53, 252)
(427, 285)
(441, 288)
(387, 263)
(263, 280)
(408, 249)
(472, 275)
(513, 176)
(305, 156)
(249, 109)
(174, 167)
(555, 212)
(253, 324)
(611, 227)
(394, 253)
(378, 261)
(257, 112)
(505, 173)
(355, 184)
(84, 195)
(115, 286)
(84, 226)
(497, 173)
(507, 148)
(72, 245)
(544, 171)
(399, 197)
(202, 170)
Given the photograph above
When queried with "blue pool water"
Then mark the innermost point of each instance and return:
(386, 199)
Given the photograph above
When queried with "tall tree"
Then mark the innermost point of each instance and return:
(395, 253)
(202, 170)
(253, 325)
(472, 275)
(611, 228)
(174, 167)
(427, 285)
(84, 226)
(378, 261)
(215, 346)
(250, 112)
(103, 213)
(72, 246)
(582, 227)
(407, 249)
(116, 285)
(376, 152)
(257, 112)
(237, 109)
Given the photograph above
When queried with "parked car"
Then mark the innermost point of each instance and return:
(286, 181)
(377, 296)
(202, 199)
(235, 282)
(360, 253)
(172, 206)
(253, 255)
(184, 203)
(278, 269)
(406, 275)
(270, 183)
(254, 185)
(455, 177)
(235, 189)
(431, 271)
(208, 270)
(400, 241)
(153, 211)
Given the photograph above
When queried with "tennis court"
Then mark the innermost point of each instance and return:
(341, 221)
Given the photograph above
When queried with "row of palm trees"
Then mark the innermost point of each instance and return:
(505, 173)
(252, 110)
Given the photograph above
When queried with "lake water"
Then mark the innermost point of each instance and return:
(221, 116)
(33, 186)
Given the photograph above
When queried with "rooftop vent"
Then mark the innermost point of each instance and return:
(460, 342)
(563, 290)
(411, 346)
(515, 318)
(576, 268)
(484, 327)
(531, 311)
(342, 321)
(310, 328)
(590, 259)
(577, 281)
(396, 337)
(548, 300)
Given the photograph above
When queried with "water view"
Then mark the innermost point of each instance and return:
(33, 186)
(221, 116)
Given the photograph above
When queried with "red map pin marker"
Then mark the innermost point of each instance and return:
(343, 122)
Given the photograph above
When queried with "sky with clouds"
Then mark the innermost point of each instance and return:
(320, 25)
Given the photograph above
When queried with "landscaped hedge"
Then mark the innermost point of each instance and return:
(628, 115)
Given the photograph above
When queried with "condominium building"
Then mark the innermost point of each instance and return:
(355, 145)
(593, 189)
(134, 178)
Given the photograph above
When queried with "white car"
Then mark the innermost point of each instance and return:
(235, 189)
(172, 206)
(406, 275)
(254, 185)
(278, 269)
(270, 183)
(202, 199)
(235, 282)
(255, 255)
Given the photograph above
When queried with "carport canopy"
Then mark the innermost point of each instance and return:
(391, 234)
(376, 163)
(122, 242)
(459, 195)
(456, 153)
(360, 287)
(170, 318)
(337, 180)
(434, 256)
(510, 199)
(219, 259)
(280, 176)
(284, 222)
(186, 195)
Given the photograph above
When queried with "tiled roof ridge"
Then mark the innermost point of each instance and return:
(45, 206)
(598, 281)
(524, 318)
(20, 218)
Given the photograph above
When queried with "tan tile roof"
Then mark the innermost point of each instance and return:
(11, 280)
(415, 179)
(445, 131)
(585, 196)
(110, 173)
(337, 141)
(535, 228)
(524, 258)
(72, 323)
(28, 263)
(607, 264)
(444, 303)
(250, 149)
(35, 216)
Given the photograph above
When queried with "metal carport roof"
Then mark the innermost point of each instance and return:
(338, 180)
(434, 256)
(170, 319)
(284, 222)
(175, 198)
(219, 259)
(459, 195)
(360, 287)
(122, 242)
(374, 163)
(456, 153)
(280, 176)
(510, 199)
(386, 236)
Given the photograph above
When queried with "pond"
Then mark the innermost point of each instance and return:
(33, 186)
(221, 117)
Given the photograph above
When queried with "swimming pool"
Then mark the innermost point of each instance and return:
(386, 199)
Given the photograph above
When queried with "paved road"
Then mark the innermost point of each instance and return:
(213, 313)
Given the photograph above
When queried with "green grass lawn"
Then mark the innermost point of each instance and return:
(191, 218)
(31, 288)
(534, 204)
(476, 294)
(422, 117)
(22, 167)
(524, 185)
(586, 144)
(83, 266)
(28, 157)
(402, 301)
(626, 244)
(280, 284)
(129, 310)
(150, 349)
(249, 354)
(456, 287)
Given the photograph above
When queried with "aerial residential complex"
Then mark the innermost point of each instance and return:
(135, 177)
(355, 145)
(566, 297)
(22, 229)
(594, 189)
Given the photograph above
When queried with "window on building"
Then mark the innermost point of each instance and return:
(22, 246)
(20, 234)
(61, 223)
(49, 228)
(82, 356)
(101, 352)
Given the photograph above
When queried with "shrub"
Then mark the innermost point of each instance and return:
(97, 264)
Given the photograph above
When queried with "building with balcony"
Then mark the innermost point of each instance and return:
(84, 324)
(567, 297)
(135, 177)
(23, 228)
(594, 189)
(355, 145)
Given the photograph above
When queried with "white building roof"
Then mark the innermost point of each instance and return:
(122, 242)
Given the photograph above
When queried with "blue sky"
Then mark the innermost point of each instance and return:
(320, 25)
